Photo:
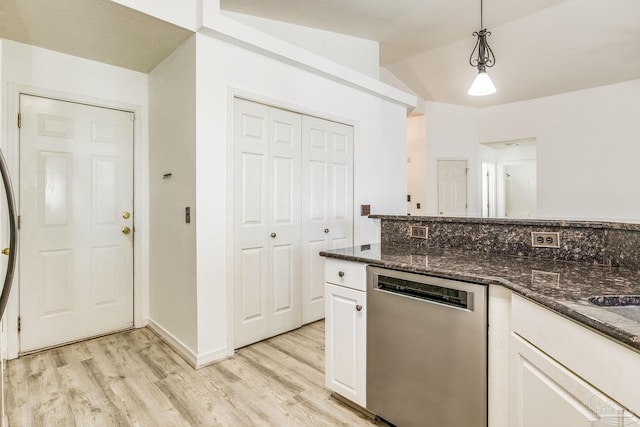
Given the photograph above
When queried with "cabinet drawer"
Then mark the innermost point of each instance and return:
(346, 273)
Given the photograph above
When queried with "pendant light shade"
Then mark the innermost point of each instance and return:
(482, 85)
(482, 57)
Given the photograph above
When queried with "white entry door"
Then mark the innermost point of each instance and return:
(76, 231)
(267, 224)
(327, 204)
(452, 187)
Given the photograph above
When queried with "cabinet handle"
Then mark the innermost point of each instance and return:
(358, 307)
(341, 273)
(273, 235)
(326, 230)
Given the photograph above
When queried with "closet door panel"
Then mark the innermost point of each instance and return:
(285, 153)
(251, 228)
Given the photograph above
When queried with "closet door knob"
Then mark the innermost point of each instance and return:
(341, 273)
(358, 307)
(326, 230)
(273, 235)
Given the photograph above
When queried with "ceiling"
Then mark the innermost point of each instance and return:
(101, 30)
(542, 47)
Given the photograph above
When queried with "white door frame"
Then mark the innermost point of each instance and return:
(140, 203)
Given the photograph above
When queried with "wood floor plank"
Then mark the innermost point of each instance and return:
(133, 378)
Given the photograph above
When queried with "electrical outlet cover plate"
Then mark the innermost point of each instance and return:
(545, 240)
(419, 231)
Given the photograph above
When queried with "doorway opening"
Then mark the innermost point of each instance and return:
(509, 179)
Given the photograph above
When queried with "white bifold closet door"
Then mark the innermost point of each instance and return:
(327, 204)
(293, 197)
(267, 221)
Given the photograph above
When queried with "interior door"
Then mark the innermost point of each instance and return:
(76, 234)
(267, 224)
(327, 204)
(452, 187)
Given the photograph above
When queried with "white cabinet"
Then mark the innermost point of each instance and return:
(555, 379)
(345, 329)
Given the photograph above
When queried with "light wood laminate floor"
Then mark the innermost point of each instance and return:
(134, 379)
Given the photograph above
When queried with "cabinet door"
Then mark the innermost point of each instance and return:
(327, 203)
(345, 336)
(545, 393)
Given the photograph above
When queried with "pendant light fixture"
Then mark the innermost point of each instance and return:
(484, 58)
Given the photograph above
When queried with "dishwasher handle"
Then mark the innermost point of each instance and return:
(425, 291)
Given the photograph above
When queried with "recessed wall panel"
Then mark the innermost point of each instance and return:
(56, 281)
(340, 143)
(282, 264)
(252, 283)
(316, 270)
(339, 179)
(282, 134)
(104, 132)
(252, 175)
(105, 275)
(252, 127)
(318, 190)
(282, 192)
(55, 191)
(55, 126)
(104, 190)
(318, 139)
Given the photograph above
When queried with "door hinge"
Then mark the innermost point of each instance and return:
(19, 120)
(19, 324)
(133, 117)
(19, 221)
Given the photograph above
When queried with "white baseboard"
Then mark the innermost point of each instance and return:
(192, 358)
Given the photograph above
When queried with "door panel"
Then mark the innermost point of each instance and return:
(76, 180)
(452, 187)
(267, 196)
(327, 204)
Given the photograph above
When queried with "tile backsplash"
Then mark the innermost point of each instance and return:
(605, 243)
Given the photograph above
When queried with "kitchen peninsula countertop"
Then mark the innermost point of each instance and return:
(561, 286)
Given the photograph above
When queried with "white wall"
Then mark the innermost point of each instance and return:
(380, 165)
(452, 134)
(356, 53)
(416, 164)
(54, 74)
(588, 146)
(172, 243)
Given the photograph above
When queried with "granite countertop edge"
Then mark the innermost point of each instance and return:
(543, 222)
(608, 329)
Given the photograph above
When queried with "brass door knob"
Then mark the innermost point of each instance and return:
(6, 251)
(126, 215)
(126, 230)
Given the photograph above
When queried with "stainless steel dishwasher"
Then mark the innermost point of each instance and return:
(426, 350)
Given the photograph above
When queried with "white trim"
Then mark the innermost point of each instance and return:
(196, 361)
(229, 30)
(140, 200)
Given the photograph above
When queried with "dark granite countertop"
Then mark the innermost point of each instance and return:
(609, 225)
(561, 286)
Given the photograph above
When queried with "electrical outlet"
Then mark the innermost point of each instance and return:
(419, 231)
(545, 240)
